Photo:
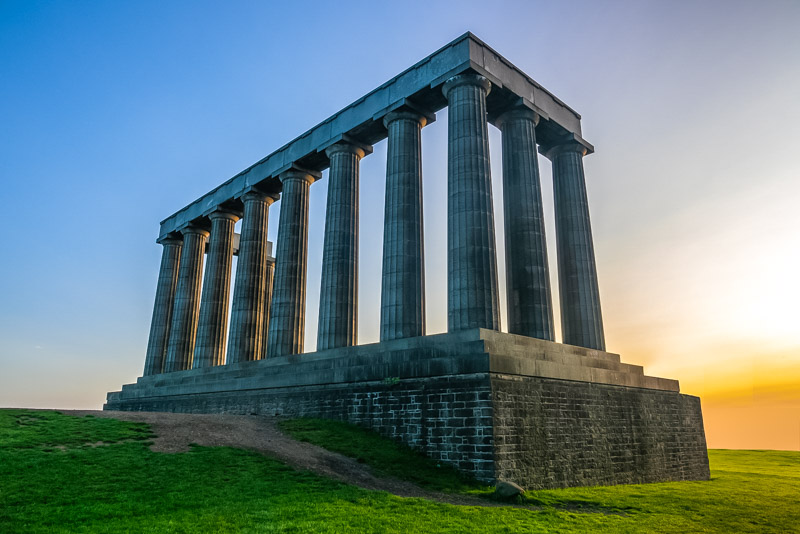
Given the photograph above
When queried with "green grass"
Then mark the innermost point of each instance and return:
(22, 429)
(383, 456)
(51, 481)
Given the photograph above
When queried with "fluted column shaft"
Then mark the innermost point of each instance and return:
(581, 319)
(267, 299)
(403, 279)
(185, 311)
(287, 313)
(338, 300)
(247, 334)
(162, 310)
(530, 307)
(472, 299)
(212, 327)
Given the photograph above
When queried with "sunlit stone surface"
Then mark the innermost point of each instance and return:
(162, 311)
(253, 287)
(186, 308)
(403, 275)
(581, 321)
(472, 299)
(211, 330)
(338, 298)
(530, 310)
(288, 309)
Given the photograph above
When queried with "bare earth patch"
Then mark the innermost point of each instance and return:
(175, 432)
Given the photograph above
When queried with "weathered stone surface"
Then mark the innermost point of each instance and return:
(581, 319)
(403, 273)
(448, 418)
(252, 287)
(477, 399)
(267, 298)
(288, 309)
(472, 298)
(338, 297)
(162, 310)
(186, 307)
(558, 433)
(422, 83)
(530, 309)
(505, 489)
(213, 322)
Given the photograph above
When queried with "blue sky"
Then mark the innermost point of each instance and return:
(114, 115)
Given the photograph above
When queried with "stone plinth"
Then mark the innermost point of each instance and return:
(495, 405)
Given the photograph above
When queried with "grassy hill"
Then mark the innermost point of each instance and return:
(60, 473)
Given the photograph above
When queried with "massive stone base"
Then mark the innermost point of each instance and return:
(495, 405)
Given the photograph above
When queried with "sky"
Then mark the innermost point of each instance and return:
(114, 115)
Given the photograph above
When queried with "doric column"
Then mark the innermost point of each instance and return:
(267, 298)
(185, 311)
(247, 335)
(162, 310)
(288, 309)
(472, 299)
(581, 320)
(211, 330)
(403, 283)
(338, 298)
(530, 308)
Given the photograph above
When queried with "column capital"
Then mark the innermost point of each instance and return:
(195, 230)
(405, 114)
(258, 196)
(569, 143)
(345, 147)
(171, 239)
(298, 175)
(223, 213)
(564, 148)
(466, 79)
(517, 113)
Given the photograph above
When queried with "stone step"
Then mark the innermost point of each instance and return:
(460, 353)
(299, 374)
(499, 341)
(565, 358)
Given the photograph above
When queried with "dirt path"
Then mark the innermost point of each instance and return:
(175, 432)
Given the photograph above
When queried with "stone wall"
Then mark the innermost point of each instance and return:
(495, 405)
(558, 433)
(448, 418)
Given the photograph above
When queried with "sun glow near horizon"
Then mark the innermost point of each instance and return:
(716, 304)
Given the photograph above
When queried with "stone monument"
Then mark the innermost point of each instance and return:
(511, 406)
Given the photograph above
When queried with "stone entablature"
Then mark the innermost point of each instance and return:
(419, 86)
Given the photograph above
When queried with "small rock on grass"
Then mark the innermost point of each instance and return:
(506, 490)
